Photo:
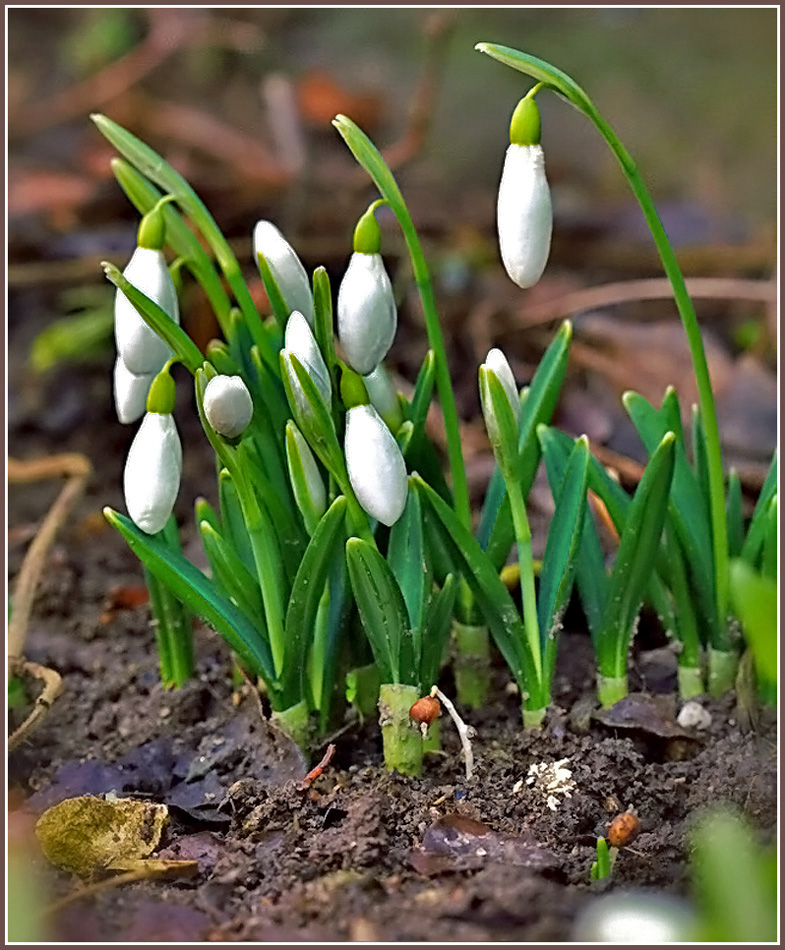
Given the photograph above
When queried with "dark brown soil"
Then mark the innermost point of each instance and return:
(362, 854)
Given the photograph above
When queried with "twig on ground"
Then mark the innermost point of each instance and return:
(53, 686)
(311, 777)
(465, 732)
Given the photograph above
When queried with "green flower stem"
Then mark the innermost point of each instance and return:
(532, 718)
(401, 736)
(610, 689)
(690, 681)
(295, 722)
(523, 537)
(722, 671)
(472, 664)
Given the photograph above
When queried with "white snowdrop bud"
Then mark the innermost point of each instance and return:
(152, 472)
(228, 405)
(286, 267)
(299, 340)
(377, 471)
(524, 211)
(130, 392)
(142, 350)
(636, 916)
(367, 316)
(498, 364)
(383, 397)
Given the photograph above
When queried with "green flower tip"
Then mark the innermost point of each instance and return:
(353, 391)
(368, 234)
(525, 123)
(152, 229)
(160, 397)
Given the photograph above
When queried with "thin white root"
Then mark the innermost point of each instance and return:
(465, 732)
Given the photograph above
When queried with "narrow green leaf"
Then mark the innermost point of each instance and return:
(753, 542)
(500, 424)
(637, 554)
(281, 310)
(183, 347)
(561, 548)
(323, 321)
(233, 576)
(437, 632)
(770, 546)
(701, 459)
(191, 586)
(754, 600)
(406, 557)
(735, 514)
(381, 607)
(232, 521)
(492, 596)
(325, 546)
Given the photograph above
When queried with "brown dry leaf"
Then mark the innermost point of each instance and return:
(320, 98)
(88, 835)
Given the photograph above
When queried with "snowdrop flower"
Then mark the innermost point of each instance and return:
(228, 405)
(377, 471)
(367, 316)
(140, 347)
(501, 423)
(286, 267)
(152, 471)
(524, 211)
(300, 341)
(130, 392)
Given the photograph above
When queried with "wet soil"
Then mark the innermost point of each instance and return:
(360, 855)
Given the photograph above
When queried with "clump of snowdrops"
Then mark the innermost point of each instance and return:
(342, 560)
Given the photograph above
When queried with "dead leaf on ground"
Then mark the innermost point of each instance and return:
(648, 714)
(89, 835)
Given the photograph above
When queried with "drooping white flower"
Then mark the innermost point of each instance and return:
(130, 392)
(152, 472)
(377, 471)
(142, 350)
(299, 340)
(497, 362)
(524, 210)
(286, 267)
(228, 405)
(367, 315)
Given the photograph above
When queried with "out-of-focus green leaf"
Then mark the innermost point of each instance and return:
(753, 543)
(74, 339)
(754, 599)
(735, 515)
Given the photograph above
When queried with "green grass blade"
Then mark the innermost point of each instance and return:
(754, 600)
(191, 586)
(753, 542)
(382, 609)
(232, 575)
(437, 632)
(233, 523)
(406, 557)
(735, 514)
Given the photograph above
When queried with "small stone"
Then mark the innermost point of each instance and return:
(693, 716)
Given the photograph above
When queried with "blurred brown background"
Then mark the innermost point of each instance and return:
(239, 100)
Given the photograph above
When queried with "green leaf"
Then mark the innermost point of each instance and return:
(561, 548)
(406, 557)
(183, 347)
(191, 586)
(281, 310)
(491, 595)
(753, 543)
(735, 515)
(233, 522)
(418, 450)
(496, 533)
(325, 547)
(323, 320)
(770, 547)
(437, 632)
(233, 576)
(382, 609)
(754, 600)
(638, 549)
(700, 458)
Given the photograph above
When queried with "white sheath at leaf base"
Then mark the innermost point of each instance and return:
(142, 350)
(377, 471)
(151, 479)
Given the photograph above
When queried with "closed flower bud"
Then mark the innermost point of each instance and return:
(152, 472)
(307, 483)
(299, 340)
(377, 471)
(140, 347)
(497, 363)
(130, 392)
(524, 211)
(228, 405)
(367, 316)
(286, 267)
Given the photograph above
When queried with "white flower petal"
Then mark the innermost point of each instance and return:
(367, 316)
(524, 214)
(152, 472)
(287, 268)
(130, 392)
(377, 471)
(228, 405)
(299, 340)
(142, 350)
(497, 363)
(384, 397)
